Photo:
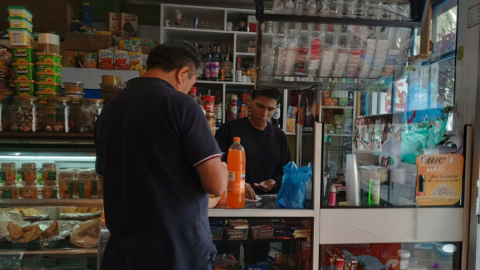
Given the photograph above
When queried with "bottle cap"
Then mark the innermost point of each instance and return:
(404, 253)
(236, 139)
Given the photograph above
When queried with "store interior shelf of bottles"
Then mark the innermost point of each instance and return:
(224, 37)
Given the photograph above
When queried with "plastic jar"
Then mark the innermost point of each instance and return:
(9, 192)
(404, 259)
(212, 120)
(90, 109)
(108, 91)
(8, 174)
(67, 189)
(49, 174)
(209, 104)
(28, 173)
(49, 43)
(25, 116)
(73, 87)
(28, 193)
(57, 115)
(50, 192)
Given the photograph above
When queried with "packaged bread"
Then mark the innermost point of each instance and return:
(15, 232)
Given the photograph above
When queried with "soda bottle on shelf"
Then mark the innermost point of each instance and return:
(193, 94)
(233, 107)
(215, 63)
(243, 107)
(201, 71)
(207, 60)
(276, 116)
(218, 110)
(236, 162)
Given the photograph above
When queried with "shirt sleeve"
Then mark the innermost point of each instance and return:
(284, 160)
(198, 142)
(99, 153)
(224, 138)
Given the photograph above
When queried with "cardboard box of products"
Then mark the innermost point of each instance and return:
(114, 23)
(129, 24)
(343, 102)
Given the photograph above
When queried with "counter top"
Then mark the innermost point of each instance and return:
(258, 209)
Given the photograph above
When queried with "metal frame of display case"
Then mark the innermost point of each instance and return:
(326, 83)
(422, 8)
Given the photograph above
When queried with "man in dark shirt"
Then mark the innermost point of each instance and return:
(266, 146)
(158, 160)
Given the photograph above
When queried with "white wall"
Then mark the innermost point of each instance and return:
(466, 103)
(466, 81)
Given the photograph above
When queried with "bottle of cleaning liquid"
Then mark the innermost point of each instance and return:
(374, 196)
(236, 175)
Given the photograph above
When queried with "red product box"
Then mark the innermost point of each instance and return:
(121, 60)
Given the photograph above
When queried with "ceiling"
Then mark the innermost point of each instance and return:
(250, 4)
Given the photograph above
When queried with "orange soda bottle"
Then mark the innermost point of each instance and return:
(236, 175)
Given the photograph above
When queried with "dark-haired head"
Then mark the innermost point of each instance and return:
(272, 94)
(263, 106)
(177, 60)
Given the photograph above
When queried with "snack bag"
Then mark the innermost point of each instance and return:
(136, 44)
(293, 193)
(124, 44)
(121, 60)
(105, 59)
(135, 60)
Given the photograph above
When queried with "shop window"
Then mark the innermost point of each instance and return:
(444, 26)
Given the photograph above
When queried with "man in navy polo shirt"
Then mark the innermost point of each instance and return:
(158, 161)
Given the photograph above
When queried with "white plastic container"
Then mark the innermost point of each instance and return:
(404, 259)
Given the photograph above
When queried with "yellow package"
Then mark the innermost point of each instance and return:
(135, 60)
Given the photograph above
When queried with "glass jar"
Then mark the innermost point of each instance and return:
(25, 116)
(57, 115)
(90, 109)
(110, 90)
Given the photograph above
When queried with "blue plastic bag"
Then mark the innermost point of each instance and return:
(293, 192)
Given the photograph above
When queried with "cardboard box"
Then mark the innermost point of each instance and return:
(87, 42)
(339, 131)
(329, 129)
(339, 120)
(343, 102)
(339, 94)
(129, 24)
(114, 24)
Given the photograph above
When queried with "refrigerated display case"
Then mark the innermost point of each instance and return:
(43, 206)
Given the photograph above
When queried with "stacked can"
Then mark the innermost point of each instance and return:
(21, 39)
(48, 78)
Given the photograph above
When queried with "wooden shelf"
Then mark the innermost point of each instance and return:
(258, 241)
(44, 135)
